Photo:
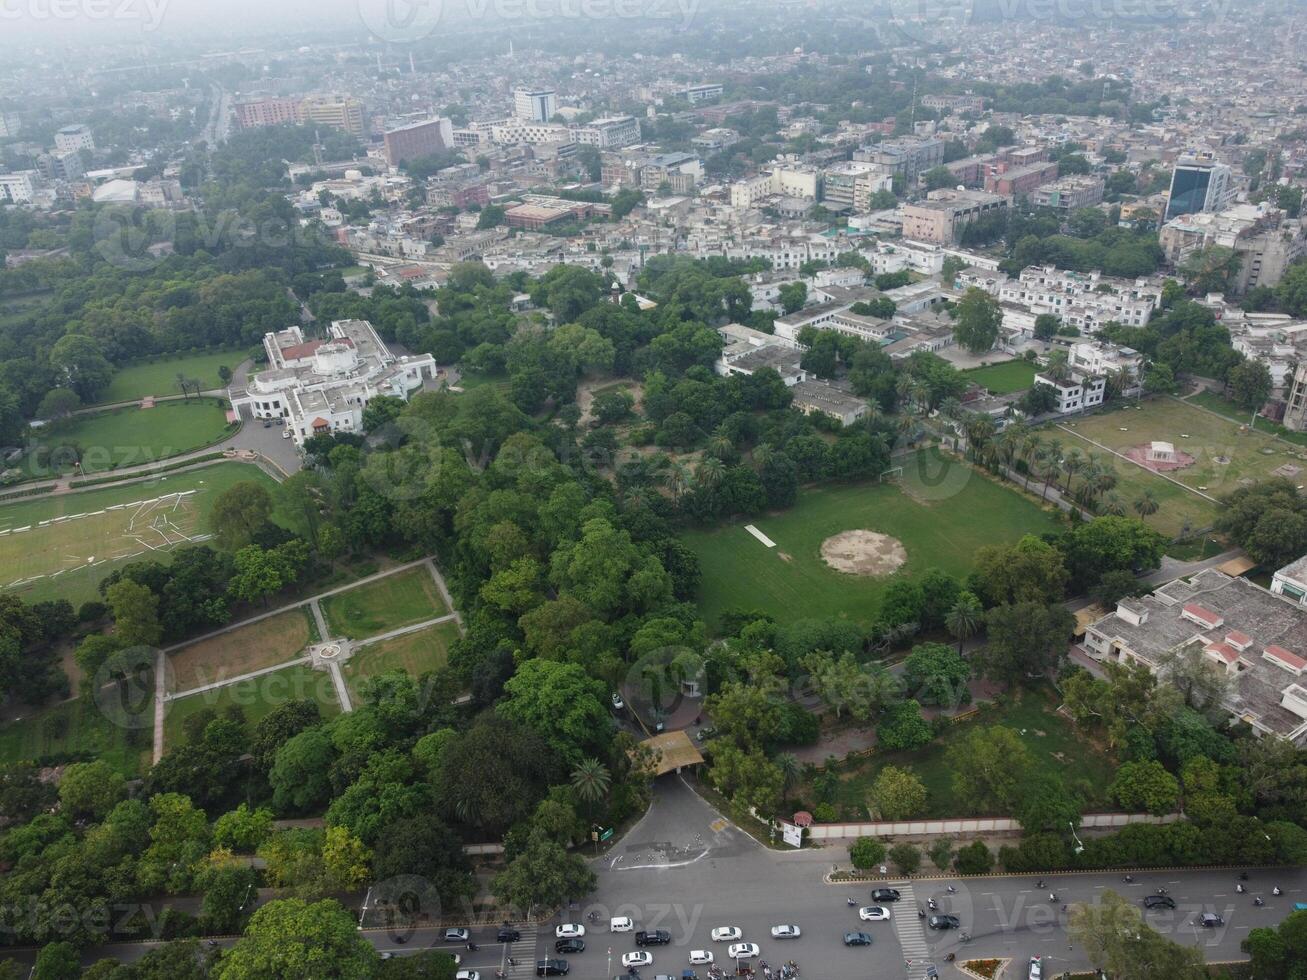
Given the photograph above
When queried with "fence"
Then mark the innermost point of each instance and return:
(967, 825)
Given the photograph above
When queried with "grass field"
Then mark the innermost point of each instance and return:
(941, 523)
(389, 603)
(1003, 378)
(129, 437)
(1223, 406)
(255, 697)
(1053, 742)
(77, 726)
(415, 653)
(68, 558)
(160, 378)
(263, 644)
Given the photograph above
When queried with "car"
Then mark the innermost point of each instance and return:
(1210, 920)
(620, 924)
(552, 968)
(653, 937)
(285, 433)
(727, 934)
(618, 703)
(457, 935)
(281, 421)
(700, 957)
(467, 975)
(638, 958)
(1159, 902)
(1036, 969)
(267, 423)
(944, 922)
(508, 935)
(569, 946)
(884, 894)
(785, 932)
(569, 930)
(857, 939)
(874, 913)
(743, 951)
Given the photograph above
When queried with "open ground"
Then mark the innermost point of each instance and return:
(74, 540)
(414, 653)
(940, 527)
(1005, 377)
(160, 377)
(266, 643)
(387, 604)
(255, 696)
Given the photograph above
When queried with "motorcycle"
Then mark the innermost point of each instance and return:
(1258, 901)
(930, 903)
(852, 903)
(1276, 890)
(921, 913)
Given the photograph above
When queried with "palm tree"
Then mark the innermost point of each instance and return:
(1114, 504)
(720, 446)
(964, 618)
(762, 455)
(788, 764)
(709, 472)
(591, 780)
(1072, 463)
(677, 479)
(1145, 504)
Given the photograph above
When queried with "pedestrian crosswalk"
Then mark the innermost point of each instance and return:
(523, 952)
(912, 937)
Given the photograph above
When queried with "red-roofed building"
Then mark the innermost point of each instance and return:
(1203, 617)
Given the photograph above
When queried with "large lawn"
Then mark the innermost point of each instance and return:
(78, 727)
(275, 640)
(386, 604)
(1005, 377)
(130, 437)
(255, 697)
(160, 377)
(1053, 742)
(1211, 401)
(89, 533)
(941, 515)
(414, 653)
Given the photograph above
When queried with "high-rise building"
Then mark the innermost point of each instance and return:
(609, 133)
(338, 112)
(9, 125)
(69, 139)
(20, 187)
(418, 139)
(1199, 183)
(535, 105)
(266, 112)
(1295, 410)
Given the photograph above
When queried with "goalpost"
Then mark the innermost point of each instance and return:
(893, 473)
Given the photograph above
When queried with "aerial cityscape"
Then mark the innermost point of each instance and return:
(653, 489)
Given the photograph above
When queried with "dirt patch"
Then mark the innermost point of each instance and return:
(783, 556)
(863, 553)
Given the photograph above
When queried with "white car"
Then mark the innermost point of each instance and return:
(700, 957)
(620, 924)
(1036, 968)
(570, 930)
(785, 932)
(727, 934)
(638, 958)
(743, 951)
(467, 975)
(873, 913)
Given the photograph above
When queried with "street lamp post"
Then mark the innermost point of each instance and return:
(363, 912)
(1080, 847)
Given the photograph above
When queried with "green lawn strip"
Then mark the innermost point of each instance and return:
(256, 697)
(1211, 401)
(132, 436)
(1003, 378)
(78, 728)
(1054, 746)
(415, 653)
(159, 378)
(791, 581)
(386, 604)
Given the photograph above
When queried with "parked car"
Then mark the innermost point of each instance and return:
(569, 946)
(857, 939)
(1159, 902)
(874, 913)
(1036, 969)
(785, 932)
(620, 924)
(569, 930)
(1210, 920)
(700, 957)
(508, 935)
(285, 433)
(467, 975)
(653, 937)
(552, 968)
(618, 703)
(267, 423)
(884, 894)
(743, 951)
(944, 922)
(456, 935)
(638, 958)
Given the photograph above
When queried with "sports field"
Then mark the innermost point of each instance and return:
(160, 378)
(275, 640)
(129, 437)
(61, 546)
(942, 511)
(386, 604)
(256, 697)
(1005, 377)
(414, 653)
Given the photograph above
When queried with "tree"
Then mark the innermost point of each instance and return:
(792, 296)
(1029, 571)
(902, 727)
(1211, 269)
(1249, 383)
(977, 317)
(239, 512)
(1026, 639)
(974, 859)
(135, 613)
(82, 365)
(1045, 805)
(1114, 937)
(562, 702)
(57, 961)
(289, 939)
(1268, 519)
(300, 774)
(898, 794)
(965, 618)
(937, 177)
(989, 766)
(543, 875)
(866, 852)
(937, 675)
(91, 789)
(1047, 326)
(1278, 952)
(58, 404)
(243, 829)
(591, 781)
(941, 853)
(1146, 785)
(906, 858)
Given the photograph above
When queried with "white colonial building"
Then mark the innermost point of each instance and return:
(322, 386)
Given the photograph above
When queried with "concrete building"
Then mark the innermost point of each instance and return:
(1070, 193)
(339, 112)
(1199, 182)
(1264, 239)
(258, 113)
(906, 158)
(817, 397)
(64, 166)
(19, 187)
(609, 133)
(1085, 300)
(535, 105)
(942, 216)
(715, 140)
(704, 92)
(10, 125)
(1075, 393)
(418, 139)
(1021, 181)
(1291, 581)
(70, 139)
(513, 131)
(1255, 638)
(852, 184)
(322, 386)
(1295, 408)
(538, 211)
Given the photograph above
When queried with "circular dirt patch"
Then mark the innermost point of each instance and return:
(863, 553)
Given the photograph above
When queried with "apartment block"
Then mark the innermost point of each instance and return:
(1068, 194)
(1021, 181)
(609, 133)
(418, 139)
(942, 216)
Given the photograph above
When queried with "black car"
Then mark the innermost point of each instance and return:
(1210, 920)
(857, 939)
(508, 935)
(884, 894)
(653, 937)
(944, 922)
(552, 968)
(569, 946)
(1159, 902)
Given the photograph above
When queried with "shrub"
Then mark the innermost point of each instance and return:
(941, 853)
(974, 859)
(906, 857)
(867, 852)
(825, 813)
